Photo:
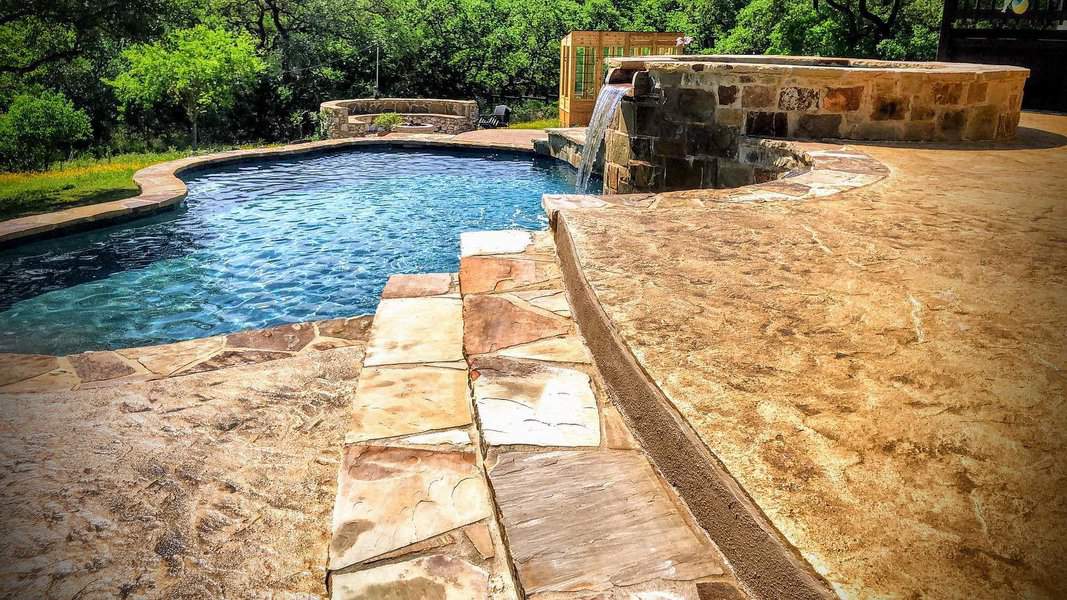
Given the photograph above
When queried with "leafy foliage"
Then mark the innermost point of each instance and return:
(388, 121)
(199, 69)
(258, 69)
(37, 128)
(894, 30)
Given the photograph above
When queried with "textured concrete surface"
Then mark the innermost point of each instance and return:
(211, 485)
(882, 370)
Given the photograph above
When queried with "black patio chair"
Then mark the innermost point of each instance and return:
(500, 118)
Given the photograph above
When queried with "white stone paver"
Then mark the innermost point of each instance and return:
(508, 241)
(547, 406)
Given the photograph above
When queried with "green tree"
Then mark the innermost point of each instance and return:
(37, 127)
(896, 29)
(200, 69)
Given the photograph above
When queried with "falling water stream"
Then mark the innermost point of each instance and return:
(606, 103)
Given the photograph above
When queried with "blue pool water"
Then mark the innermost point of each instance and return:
(265, 243)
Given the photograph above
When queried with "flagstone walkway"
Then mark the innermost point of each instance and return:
(485, 459)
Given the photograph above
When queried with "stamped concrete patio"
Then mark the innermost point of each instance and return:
(881, 370)
(847, 385)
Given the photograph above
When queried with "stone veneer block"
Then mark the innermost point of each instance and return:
(416, 330)
(399, 401)
(526, 403)
(591, 520)
(798, 98)
(437, 576)
(417, 286)
(842, 99)
(392, 497)
(758, 96)
(770, 124)
(505, 241)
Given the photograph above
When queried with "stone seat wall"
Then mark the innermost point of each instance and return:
(350, 118)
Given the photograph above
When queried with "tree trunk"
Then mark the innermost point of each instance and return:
(194, 132)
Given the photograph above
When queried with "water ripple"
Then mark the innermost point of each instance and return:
(259, 244)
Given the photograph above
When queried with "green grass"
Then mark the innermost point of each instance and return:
(75, 183)
(541, 124)
(85, 181)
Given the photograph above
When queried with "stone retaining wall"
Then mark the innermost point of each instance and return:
(683, 124)
(351, 118)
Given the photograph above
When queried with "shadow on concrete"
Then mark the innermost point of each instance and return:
(1027, 138)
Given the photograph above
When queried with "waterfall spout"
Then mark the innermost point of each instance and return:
(606, 103)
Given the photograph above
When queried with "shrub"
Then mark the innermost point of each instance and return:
(534, 110)
(37, 129)
(388, 121)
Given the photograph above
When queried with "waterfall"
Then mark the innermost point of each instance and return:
(606, 103)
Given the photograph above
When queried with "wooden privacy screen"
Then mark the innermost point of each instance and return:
(581, 65)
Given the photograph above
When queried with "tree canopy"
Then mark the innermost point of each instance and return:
(281, 58)
(200, 69)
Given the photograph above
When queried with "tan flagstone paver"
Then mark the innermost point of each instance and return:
(399, 401)
(566, 348)
(479, 536)
(492, 323)
(59, 379)
(433, 577)
(550, 300)
(234, 358)
(617, 435)
(588, 518)
(412, 482)
(353, 328)
(481, 274)
(457, 438)
(98, 366)
(592, 520)
(529, 403)
(506, 241)
(390, 497)
(415, 286)
(19, 367)
(287, 338)
(416, 330)
(168, 358)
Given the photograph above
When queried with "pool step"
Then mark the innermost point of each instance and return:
(582, 509)
(413, 509)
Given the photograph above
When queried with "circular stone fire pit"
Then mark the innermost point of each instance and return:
(415, 128)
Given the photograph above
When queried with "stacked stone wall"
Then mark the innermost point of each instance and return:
(352, 118)
(685, 122)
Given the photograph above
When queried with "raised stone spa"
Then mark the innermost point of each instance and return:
(685, 123)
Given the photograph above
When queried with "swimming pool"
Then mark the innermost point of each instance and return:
(263, 243)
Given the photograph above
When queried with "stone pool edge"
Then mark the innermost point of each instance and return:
(161, 188)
